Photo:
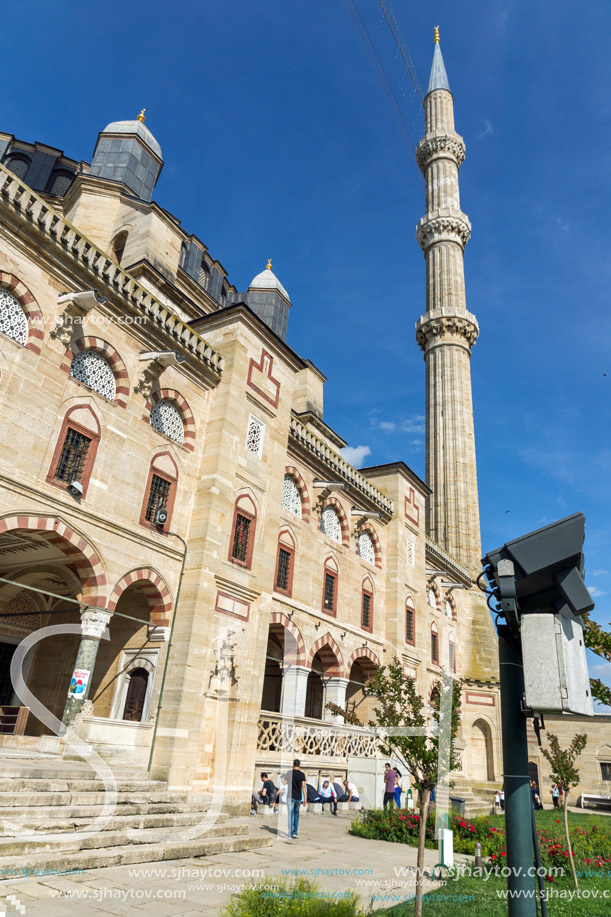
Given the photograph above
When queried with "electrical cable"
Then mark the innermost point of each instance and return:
(395, 30)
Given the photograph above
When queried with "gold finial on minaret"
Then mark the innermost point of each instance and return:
(269, 264)
(141, 115)
(436, 34)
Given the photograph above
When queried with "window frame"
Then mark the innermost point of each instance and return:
(452, 653)
(92, 435)
(172, 481)
(434, 644)
(367, 592)
(329, 571)
(283, 546)
(240, 510)
(605, 764)
(410, 607)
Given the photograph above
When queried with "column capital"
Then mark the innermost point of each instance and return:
(94, 622)
(437, 144)
(446, 326)
(443, 225)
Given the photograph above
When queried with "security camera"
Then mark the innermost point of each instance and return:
(75, 488)
(163, 357)
(161, 517)
(86, 300)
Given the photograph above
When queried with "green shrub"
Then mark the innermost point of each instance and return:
(299, 898)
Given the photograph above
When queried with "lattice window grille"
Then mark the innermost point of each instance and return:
(254, 436)
(291, 498)
(366, 610)
(60, 183)
(166, 419)
(95, 372)
(23, 612)
(13, 320)
(432, 597)
(410, 552)
(19, 166)
(330, 524)
(448, 609)
(365, 547)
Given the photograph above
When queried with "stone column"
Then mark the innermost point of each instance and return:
(94, 623)
(294, 687)
(335, 693)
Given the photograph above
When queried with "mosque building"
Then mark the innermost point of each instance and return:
(169, 482)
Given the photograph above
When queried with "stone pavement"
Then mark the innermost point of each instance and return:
(181, 888)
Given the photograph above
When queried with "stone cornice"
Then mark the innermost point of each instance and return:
(35, 215)
(328, 457)
(448, 320)
(437, 553)
(443, 226)
(434, 144)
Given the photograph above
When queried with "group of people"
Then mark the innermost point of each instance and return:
(535, 795)
(393, 786)
(295, 791)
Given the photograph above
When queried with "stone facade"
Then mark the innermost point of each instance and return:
(168, 389)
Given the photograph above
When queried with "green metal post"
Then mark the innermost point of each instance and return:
(518, 801)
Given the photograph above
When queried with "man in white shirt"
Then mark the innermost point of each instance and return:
(327, 794)
(351, 791)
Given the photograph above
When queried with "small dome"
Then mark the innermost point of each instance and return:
(135, 127)
(267, 280)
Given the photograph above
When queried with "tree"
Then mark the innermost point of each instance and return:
(349, 716)
(562, 763)
(599, 641)
(400, 705)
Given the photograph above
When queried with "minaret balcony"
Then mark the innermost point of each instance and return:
(440, 145)
(443, 225)
(447, 325)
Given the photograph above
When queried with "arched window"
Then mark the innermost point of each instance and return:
(431, 597)
(452, 653)
(136, 695)
(59, 182)
(18, 165)
(285, 563)
(410, 621)
(448, 609)
(365, 547)
(118, 245)
(166, 419)
(330, 524)
(204, 276)
(291, 498)
(160, 491)
(90, 368)
(434, 644)
(13, 320)
(243, 532)
(330, 584)
(367, 605)
(76, 448)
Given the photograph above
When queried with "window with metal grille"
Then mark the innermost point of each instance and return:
(13, 320)
(159, 494)
(18, 165)
(605, 770)
(365, 547)
(330, 523)
(283, 575)
(59, 183)
(409, 625)
(241, 533)
(452, 656)
(95, 372)
(329, 592)
(431, 597)
(254, 436)
(73, 456)
(166, 418)
(366, 612)
(410, 552)
(434, 647)
(291, 498)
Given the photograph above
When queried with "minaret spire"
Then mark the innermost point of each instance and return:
(447, 331)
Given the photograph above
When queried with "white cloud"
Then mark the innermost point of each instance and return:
(488, 129)
(414, 424)
(356, 455)
(599, 572)
(388, 426)
(595, 593)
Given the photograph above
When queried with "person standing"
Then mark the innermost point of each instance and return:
(297, 796)
(398, 787)
(389, 785)
(555, 795)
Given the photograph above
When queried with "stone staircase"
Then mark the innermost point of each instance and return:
(479, 797)
(46, 797)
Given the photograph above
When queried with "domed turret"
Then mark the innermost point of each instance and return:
(267, 297)
(127, 152)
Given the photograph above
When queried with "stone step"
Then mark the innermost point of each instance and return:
(28, 865)
(105, 840)
(172, 819)
(84, 798)
(17, 812)
(66, 785)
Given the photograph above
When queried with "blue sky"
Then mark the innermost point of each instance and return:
(280, 142)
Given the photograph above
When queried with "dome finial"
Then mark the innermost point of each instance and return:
(436, 34)
(141, 115)
(269, 264)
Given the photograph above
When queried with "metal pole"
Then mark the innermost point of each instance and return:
(167, 655)
(518, 802)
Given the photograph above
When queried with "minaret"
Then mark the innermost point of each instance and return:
(446, 332)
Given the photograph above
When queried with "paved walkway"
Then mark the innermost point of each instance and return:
(181, 888)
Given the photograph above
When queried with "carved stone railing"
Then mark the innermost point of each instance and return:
(339, 465)
(301, 736)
